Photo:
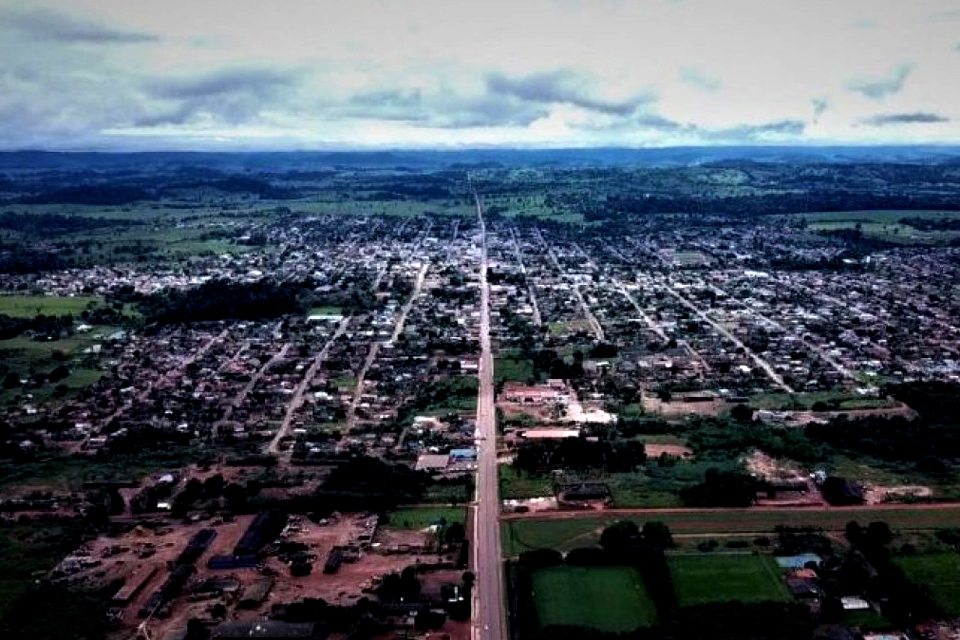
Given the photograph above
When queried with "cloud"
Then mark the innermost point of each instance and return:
(820, 105)
(227, 96)
(879, 88)
(260, 82)
(50, 26)
(698, 79)
(754, 132)
(918, 117)
(561, 87)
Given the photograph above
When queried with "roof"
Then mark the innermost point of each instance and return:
(463, 453)
(428, 461)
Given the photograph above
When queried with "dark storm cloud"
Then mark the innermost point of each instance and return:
(44, 25)
(883, 120)
(879, 88)
(560, 87)
(820, 105)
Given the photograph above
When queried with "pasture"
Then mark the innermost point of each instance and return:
(608, 598)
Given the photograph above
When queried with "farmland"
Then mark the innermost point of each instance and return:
(702, 579)
(609, 598)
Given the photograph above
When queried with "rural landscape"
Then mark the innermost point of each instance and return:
(433, 320)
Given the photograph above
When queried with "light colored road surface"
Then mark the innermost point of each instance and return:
(297, 398)
(489, 619)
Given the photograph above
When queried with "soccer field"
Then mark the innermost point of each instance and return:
(939, 572)
(610, 599)
(725, 578)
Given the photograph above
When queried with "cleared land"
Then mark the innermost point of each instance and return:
(612, 599)
(938, 572)
(703, 579)
(564, 533)
(30, 306)
(423, 517)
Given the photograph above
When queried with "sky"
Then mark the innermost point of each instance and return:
(345, 74)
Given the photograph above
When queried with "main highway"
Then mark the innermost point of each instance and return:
(489, 619)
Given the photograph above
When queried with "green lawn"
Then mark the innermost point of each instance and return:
(325, 310)
(30, 306)
(940, 573)
(612, 599)
(513, 369)
(422, 517)
(703, 579)
(516, 484)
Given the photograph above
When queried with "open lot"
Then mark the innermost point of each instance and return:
(571, 530)
(612, 599)
(938, 572)
(423, 517)
(30, 306)
(702, 579)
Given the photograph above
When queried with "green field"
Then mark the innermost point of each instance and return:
(834, 401)
(882, 225)
(30, 306)
(516, 484)
(26, 553)
(422, 517)
(612, 599)
(702, 579)
(940, 573)
(513, 369)
(524, 534)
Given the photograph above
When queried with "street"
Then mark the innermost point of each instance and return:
(488, 615)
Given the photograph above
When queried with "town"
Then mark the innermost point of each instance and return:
(377, 402)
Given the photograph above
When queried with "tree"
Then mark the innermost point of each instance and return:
(657, 534)
(213, 486)
(620, 535)
(741, 413)
(11, 380)
(454, 533)
(878, 533)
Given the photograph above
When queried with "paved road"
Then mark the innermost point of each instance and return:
(490, 621)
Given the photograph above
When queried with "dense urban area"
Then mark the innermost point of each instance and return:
(520, 395)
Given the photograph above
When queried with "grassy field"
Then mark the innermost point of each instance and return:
(28, 552)
(422, 517)
(530, 533)
(612, 599)
(30, 306)
(939, 572)
(513, 369)
(835, 401)
(883, 225)
(68, 473)
(516, 484)
(325, 310)
(702, 579)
